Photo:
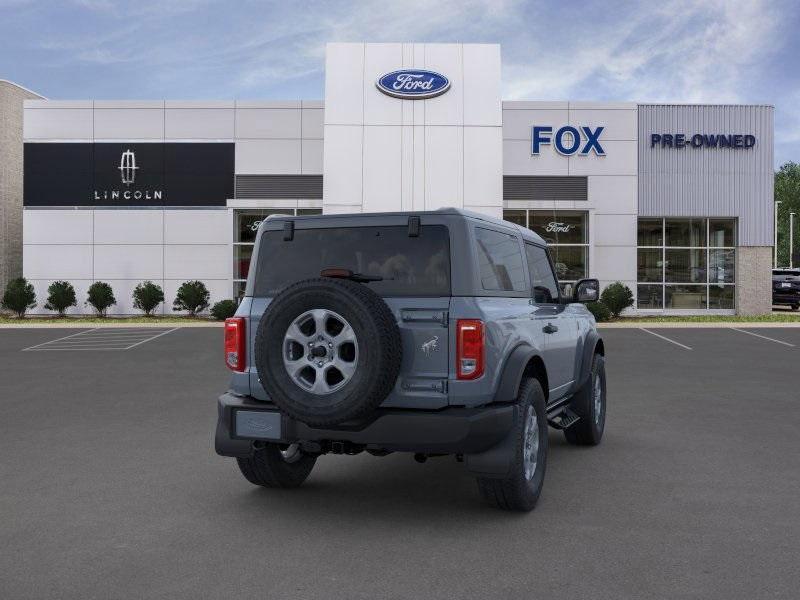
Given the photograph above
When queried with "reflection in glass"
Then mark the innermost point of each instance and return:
(238, 289)
(685, 296)
(649, 264)
(247, 223)
(241, 260)
(570, 262)
(685, 266)
(650, 232)
(560, 226)
(721, 296)
(515, 216)
(722, 232)
(649, 296)
(721, 266)
(685, 232)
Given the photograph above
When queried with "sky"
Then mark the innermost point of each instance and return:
(713, 51)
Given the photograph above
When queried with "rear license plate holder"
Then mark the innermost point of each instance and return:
(258, 424)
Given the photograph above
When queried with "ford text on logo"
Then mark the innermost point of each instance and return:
(127, 167)
(568, 140)
(702, 140)
(413, 84)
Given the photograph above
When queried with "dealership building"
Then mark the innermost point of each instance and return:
(674, 200)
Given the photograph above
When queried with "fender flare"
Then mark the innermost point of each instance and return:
(590, 345)
(513, 370)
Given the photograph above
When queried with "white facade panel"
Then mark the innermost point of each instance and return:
(444, 167)
(614, 263)
(614, 230)
(266, 157)
(382, 175)
(198, 261)
(313, 123)
(343, 181)
(198, 227)
(268, 123)
(483, 168)
(128, 227)
(57, 226)
(344, 84)
(620, 159)
(312, 157)
(128, 123)
(68, 261)
(517, 160)
(58, 124)
(128, 261)
(517, 124)
(447, 109)
(613, 194)
(482, 85)
(199, 123)
(617, 124)
(380, 109)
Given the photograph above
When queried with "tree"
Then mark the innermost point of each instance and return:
(60, 296)
(224, 309)
(787, 191)
(192, 296)
(101, 297)
(617, 297)
(19, 297)
(147, 296)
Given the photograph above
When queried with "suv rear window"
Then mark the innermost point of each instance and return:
(785, 273)
(410, 266)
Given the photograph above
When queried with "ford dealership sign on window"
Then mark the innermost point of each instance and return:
(413, 84)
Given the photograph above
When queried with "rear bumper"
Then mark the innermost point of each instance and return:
(446, 431)
(788, 297)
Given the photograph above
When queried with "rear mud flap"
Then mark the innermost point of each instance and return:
(497, 460)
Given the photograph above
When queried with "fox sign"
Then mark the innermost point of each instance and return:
(568, 140)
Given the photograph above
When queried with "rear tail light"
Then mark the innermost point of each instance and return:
(469, 348)
(235, 344)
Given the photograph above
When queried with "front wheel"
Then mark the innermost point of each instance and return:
(795, 306)
(521, 488)
(590, 405)
(277, 466)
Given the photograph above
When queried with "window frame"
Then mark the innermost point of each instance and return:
(559, 298)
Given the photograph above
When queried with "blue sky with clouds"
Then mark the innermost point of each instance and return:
(665, 50)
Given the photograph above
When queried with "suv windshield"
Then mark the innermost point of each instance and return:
(409, 266)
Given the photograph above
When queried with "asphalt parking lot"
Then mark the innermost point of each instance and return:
(110, 487)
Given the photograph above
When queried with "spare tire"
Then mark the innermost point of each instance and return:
(327, 351)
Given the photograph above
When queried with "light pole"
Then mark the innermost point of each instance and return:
(791, 239)
(777, 202)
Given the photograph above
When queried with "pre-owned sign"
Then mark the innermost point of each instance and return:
(702, 140)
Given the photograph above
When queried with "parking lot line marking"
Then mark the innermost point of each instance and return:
(663, 337)
(152, 338)
(59, 339)
(763, 337)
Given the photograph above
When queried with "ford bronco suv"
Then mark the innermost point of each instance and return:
(434, 333)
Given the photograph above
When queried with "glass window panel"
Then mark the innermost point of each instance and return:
(685, 266)
(685, 296)
(543, 282)
(247, 223)
(721, 266)
(238, 290)
(722, 232)
(649, 296)
(570, 262)
(650, 232)
(241, 260)
(721, 296)
(685, 232)
(561, 226)
(515, 216)
(500, 261)
(308, 211)
(649, 263)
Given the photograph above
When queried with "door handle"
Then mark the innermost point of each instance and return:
(549, 328)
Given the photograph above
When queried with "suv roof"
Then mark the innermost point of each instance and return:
(458, 212)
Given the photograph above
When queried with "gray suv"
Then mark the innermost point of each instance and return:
(433, 333)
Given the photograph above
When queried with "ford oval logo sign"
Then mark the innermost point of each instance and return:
(413, 84)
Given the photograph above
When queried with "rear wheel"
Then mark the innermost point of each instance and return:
(277, 466)
(590, 405)
(795, 306)
(521, 488)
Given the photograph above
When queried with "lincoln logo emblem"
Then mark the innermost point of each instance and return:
(127, 167)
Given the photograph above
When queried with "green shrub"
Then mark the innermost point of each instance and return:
(617, 297)
(192, 296)
(19, 297)
(101, 297)
(60, 296)
(224, 309)
(147, 296)
(599, 310)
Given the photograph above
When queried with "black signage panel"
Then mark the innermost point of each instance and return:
(128, 174)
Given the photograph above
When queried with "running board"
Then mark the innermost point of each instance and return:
(564, 419)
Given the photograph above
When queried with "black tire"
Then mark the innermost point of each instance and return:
(795, 306)
(378, 356)
(588, 431)
(517, 492)
(268, 467)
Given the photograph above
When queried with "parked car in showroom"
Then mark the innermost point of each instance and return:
(786, 288)
(431, 333)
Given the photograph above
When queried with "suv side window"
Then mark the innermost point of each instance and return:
(543, 280)
(500, 261)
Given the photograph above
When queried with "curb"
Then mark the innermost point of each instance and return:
(79, 325)
(712, 325)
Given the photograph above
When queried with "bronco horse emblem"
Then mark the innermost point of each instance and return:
(432, 345)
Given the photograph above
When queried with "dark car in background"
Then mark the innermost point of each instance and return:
(786, 287)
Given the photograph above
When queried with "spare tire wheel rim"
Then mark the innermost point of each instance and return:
(320, 351)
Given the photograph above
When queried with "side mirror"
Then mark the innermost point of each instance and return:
(586, 290)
